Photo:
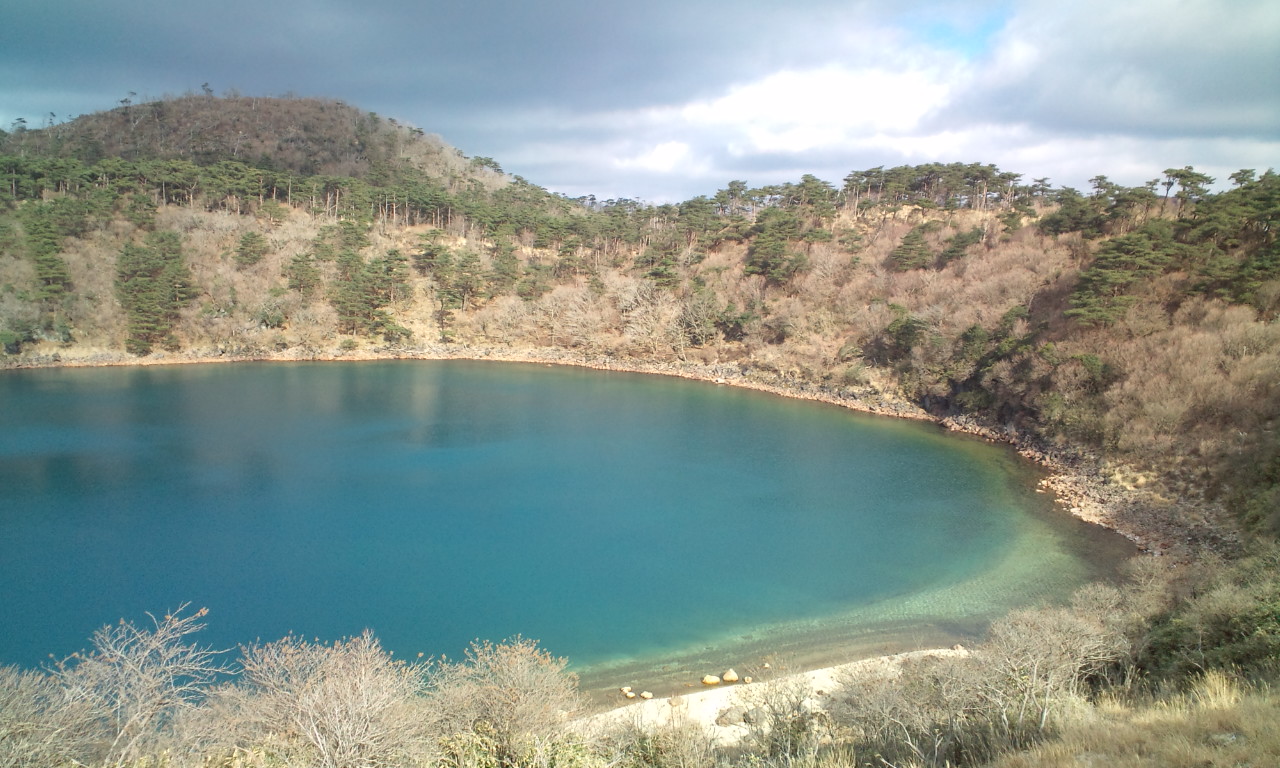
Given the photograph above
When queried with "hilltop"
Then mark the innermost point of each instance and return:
(308, 137)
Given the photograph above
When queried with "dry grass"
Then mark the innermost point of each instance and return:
(1220, 723)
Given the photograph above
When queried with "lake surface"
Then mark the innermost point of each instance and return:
(618, 518)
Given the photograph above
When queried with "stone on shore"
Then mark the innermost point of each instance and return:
(710, 680)
(731, 716)
(729, 676)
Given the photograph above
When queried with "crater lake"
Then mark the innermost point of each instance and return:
(625, 521)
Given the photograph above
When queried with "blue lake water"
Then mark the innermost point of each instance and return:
(615, 517)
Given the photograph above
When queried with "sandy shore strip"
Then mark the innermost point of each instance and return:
(707, 704)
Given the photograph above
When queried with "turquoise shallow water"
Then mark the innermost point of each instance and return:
(615, 517)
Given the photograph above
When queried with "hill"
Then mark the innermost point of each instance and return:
(300, 136)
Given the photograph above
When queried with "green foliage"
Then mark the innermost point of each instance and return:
(1236, 234)
(1106, 288)
(535, 283)
(44, 226)
(770, 253)
(1076, 213)
(1254, 482)
(913, 252)
(505, 271)
(141, 211)
(852, 241)
(663, 265)
(272, 212)
(973, 343)
(900, 336)
(935, 185)
(271, 314)
(10, 342)
(302, 274)
(1192, 185)
(432, 255)
(363, 290)
(1012, 221)
(253, 246)
(732, 323)
(152, 284)
(956, 246)
(1230, 624)
(1101, 373)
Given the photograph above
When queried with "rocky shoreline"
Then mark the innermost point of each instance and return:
(1115, 497)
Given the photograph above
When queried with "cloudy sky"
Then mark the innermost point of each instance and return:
(662, 100)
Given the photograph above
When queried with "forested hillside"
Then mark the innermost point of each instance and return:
(1135, 325)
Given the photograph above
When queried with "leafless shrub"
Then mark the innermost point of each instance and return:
(678, 744)
(1034, 660)
(783, 719)
(39, 726)
(345, 705)
(514, 695)
(919, 713)
(1009, 693)
(128, 689)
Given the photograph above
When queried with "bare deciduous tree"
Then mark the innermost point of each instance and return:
(128, 689)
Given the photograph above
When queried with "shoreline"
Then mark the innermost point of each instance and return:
(1112, 497)
(801, 649)
(708, 706)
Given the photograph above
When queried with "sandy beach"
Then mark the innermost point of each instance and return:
(707, 704)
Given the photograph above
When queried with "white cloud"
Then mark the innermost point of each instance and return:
(800, 111)
(666, 157)
(1150, 67)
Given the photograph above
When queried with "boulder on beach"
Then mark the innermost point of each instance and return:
(646, 695)
(710, 680)
(730, 676)
(731, 716)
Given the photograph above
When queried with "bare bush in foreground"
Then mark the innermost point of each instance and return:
(679, 744)
(782, 722)
(345, 705)
(1008, 694)
(38, 726)
(514, 695)
(126, 692)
